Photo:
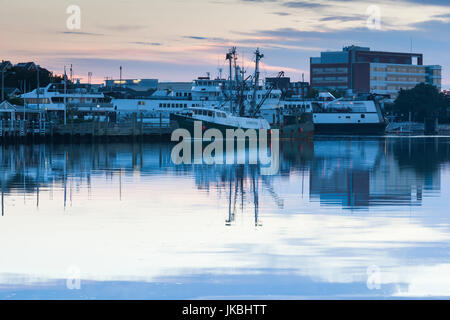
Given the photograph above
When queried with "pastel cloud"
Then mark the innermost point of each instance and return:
(180, 32)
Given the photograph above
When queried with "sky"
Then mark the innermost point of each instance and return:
(179, 40)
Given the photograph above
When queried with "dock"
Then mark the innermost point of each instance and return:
(125, 130)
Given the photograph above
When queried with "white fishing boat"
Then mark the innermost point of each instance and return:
(216, 119)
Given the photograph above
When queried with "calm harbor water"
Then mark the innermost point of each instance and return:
(344, 218)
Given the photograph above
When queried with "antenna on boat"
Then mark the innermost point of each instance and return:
(230, 56)
(258, 57)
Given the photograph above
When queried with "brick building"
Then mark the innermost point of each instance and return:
(366, 71)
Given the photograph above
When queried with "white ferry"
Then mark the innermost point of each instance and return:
(55, 100)
(204, 92)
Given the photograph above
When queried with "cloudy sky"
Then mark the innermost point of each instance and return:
(181, 39)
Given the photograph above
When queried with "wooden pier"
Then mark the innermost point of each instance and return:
(132, 129)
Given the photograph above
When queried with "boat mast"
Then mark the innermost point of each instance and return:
(231, 57)
(258, 57)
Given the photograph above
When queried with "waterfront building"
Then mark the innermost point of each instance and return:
(26, 66)
(132, 84)
(290, 89)
(366, 71)
(174, 89)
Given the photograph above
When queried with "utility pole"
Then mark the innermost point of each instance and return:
(38, 90)
(89, 79)
(65, 94)
(120, 78)
(3, 80)
(3, 84)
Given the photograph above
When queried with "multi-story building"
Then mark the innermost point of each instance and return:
(366, 71)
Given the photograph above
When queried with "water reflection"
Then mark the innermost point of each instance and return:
(351, 173)
(357, 174)
(124, 212)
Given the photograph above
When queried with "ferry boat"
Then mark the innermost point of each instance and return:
(56, 100)
(204, 92)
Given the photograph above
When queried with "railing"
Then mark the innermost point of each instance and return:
(22, 128)
(132, 127)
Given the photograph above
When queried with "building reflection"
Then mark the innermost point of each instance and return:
(361, 173)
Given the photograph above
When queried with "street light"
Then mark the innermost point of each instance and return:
(65, 94)
(3, 81)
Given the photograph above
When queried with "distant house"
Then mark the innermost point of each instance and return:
(26, 66)
(5, 65)
(11, 92)
(10, 112)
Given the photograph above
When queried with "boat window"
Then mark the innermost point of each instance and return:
(210, 114)
(205, 112)
(363, 116)
(224, 115)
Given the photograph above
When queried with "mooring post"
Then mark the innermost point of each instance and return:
(142, 126)
(160, 125)
(134, 116)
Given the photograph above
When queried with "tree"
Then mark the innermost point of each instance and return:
(21, 78)
(424, 100)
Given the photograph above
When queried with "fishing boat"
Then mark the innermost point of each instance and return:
(216, 119)
(247, 108)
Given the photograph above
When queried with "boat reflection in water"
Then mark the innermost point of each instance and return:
(363, 173)
(138, 226)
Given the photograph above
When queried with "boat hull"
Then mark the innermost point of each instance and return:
(187, 122)
(350, 128)
(300, 130)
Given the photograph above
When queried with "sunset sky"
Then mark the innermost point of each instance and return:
(178, 40)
